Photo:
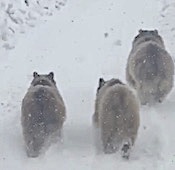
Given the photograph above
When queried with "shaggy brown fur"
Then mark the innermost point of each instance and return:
(117, 116)
(43, 113)
(150, 69)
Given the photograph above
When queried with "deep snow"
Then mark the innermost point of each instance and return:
(17, 16)
(82, 42)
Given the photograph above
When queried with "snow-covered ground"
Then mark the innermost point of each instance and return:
(16, 16)
(82, 42)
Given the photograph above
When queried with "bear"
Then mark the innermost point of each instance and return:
(43, 113)
(150, 68)
(116, 116)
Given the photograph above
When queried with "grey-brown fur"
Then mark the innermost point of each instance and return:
(150, 69)
(116, 116)
(43, 113)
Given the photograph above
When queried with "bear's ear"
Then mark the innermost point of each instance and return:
(35, 74)
(156, 31)
(101, 82)
(140, 31)
(51, 75)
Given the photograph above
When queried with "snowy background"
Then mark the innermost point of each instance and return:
(17, 16)
(80, 40)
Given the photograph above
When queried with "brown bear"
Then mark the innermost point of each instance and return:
(43, 113)
(150, 68)
(116, 116)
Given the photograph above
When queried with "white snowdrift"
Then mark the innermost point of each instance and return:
(16, 16)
